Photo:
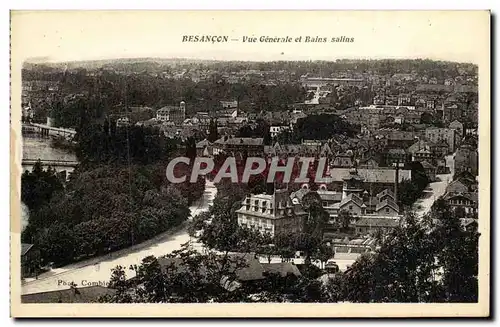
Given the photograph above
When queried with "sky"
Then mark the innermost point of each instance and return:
(88, 35)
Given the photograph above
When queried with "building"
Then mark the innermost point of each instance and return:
(229, 104)
(239, 145)
(271, 213)
(467, 159)
(275, 130)
(163, 114)
(372, 225)
(430, 170)
(177, 115)
(30, 260)
(122, 122)
(437, 135)
(458, 127)
(468, 201)
(374, 180)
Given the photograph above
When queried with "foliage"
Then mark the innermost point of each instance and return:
(39, 185)
(103, 210)
(415, 265)
(322, 127)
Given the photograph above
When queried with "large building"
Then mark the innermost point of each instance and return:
(271, 213)
(177, 115)
(437, 135)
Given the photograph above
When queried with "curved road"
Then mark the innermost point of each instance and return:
(98, 270)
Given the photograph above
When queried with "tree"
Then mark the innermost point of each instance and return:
(345, 218)
(459, 257)
(213, 133)
(324, 253)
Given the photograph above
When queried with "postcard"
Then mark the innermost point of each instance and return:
(250, 164)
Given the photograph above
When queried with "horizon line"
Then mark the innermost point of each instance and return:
(47, 60)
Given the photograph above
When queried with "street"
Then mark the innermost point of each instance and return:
(98, 270)
(435, 190)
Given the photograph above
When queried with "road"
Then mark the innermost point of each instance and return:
(435, 189)
(98, 270)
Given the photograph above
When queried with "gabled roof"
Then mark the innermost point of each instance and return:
(387, 202)
(202, 144)
(456, 187)
(282, 268)
(386, 192)
(352, 198)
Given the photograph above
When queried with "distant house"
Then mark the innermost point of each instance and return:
(457, 187)
(468, 201)
(387, 208)
(122, 122)
(204, 148)
(248, 271)
(277, 129)
(370, 225)
(229, 104)
(430, 170)
(467, 159)
(435, 134)
(458, 127)
(90, 294)
(239, 145)
(30, 260)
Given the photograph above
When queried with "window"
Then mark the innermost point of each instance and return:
(325, 204)
(350, 207)
(256, 203)
(387, 210)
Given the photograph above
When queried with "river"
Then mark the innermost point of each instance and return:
(35, 147)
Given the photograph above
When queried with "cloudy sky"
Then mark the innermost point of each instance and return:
(67, 36)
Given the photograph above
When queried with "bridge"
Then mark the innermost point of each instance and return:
(48, 130)
(53, 163)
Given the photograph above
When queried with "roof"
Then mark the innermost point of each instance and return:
(434, 88)
(386, 192)
(25, 247)
(202, 144)
(299, 194)
(77, 295)
(252, 269)
(241, 140)
(329, 195)
(456, 186)
(352, 197)
(427, 165)
(377, 222)
(397, 151)
(371, 175)
(389, 203)
(281, 268)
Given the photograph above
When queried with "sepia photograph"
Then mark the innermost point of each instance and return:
(237, 164)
